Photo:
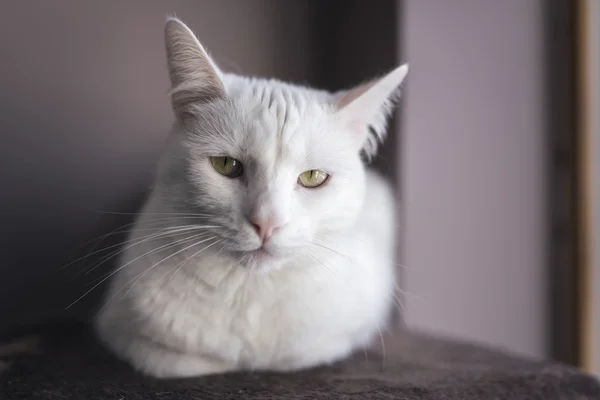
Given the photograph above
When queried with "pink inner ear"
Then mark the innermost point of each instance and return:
(353, 94)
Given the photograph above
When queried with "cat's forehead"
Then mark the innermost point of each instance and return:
(273, 99)
(261, 89)
(278, 114)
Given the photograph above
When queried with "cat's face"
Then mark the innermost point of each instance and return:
(261, 196)
(276, 169)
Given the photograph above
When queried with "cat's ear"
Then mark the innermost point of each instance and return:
(195, 78)
(365, 109)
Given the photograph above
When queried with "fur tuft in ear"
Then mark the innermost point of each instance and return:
(195, 78)
(367, 107)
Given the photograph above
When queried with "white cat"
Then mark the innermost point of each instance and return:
(265, 244)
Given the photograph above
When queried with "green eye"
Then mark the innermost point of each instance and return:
(227, 166)
(312, 178)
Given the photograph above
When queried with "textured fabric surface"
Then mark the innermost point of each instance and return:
(411, 367)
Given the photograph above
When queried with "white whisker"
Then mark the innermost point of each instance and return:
(327, 267)
(117, 270)
(178, 267)
(181, 264)
(149, 213)
(138, 278)
(333, 251)
(383, 350)
(119, 229)
(405, 267)
(398, 302)
(160, 233)
(407, 293)
(165, 246)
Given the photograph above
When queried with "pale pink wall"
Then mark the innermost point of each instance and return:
(473, 178)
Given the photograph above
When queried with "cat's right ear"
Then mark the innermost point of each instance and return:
(195, 78)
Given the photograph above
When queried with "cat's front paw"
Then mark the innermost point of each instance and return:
(163, 362)
(166, 364)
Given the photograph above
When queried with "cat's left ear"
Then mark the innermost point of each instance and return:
(195, 77)
(365, 109)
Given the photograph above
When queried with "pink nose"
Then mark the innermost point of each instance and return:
(265, 228)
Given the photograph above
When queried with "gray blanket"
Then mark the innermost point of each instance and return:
(411, 367)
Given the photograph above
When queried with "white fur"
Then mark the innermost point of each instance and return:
(191, 297)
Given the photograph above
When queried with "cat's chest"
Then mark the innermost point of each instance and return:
(270, 316)
(286, 302)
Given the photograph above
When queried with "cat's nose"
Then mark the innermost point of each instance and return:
(265, 228)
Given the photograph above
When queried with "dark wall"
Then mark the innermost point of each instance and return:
(84, 112)
(563, 181)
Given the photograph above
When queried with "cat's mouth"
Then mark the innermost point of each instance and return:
(262, 254)
(259, 259)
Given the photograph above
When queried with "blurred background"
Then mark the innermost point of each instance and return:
(492, 150)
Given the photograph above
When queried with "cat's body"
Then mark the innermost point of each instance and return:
(212, 315)
(257, 269)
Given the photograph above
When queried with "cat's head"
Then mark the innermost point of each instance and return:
(275, 168)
